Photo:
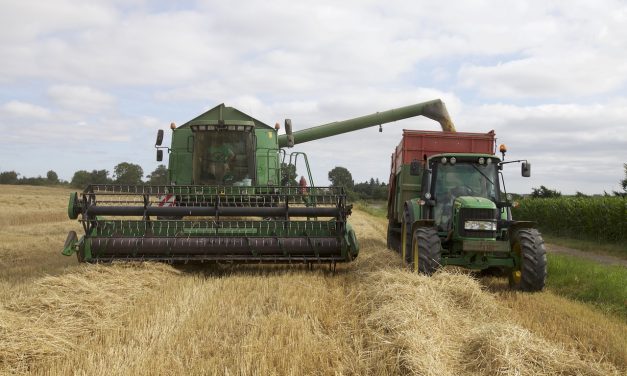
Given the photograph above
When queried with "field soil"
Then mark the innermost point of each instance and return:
(372, 316)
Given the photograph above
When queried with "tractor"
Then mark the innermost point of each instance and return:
(447, 205)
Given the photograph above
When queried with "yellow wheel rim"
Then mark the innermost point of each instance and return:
(516, 274)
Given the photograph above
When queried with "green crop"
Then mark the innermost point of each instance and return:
(602, 219)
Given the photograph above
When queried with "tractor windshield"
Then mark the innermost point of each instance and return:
(462, 179)
(223, 157)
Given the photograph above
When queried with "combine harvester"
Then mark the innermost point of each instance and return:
(227, 199)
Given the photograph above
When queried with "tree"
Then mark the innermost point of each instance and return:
(288, 174)
(52, 177)
(100, 177)
(128, 173)
(80, 179)
(544, 192)
(341, 177)
(159, 176)
(83, 178)
(623, 182)
(8, 177)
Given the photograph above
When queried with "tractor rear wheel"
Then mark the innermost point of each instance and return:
(531, 276)
(426, 244)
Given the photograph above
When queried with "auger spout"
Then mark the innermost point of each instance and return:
(434, 109)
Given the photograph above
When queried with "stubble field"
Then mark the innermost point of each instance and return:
(370, 317)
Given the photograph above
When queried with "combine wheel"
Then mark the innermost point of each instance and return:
(426, 245)
(531, 275)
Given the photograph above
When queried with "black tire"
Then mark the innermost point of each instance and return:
(408, 219)
(530, 245)
(393, 241)
(429, 249)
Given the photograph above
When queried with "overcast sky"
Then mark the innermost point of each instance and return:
(86, 84)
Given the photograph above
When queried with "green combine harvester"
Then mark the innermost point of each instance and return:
(228, 199)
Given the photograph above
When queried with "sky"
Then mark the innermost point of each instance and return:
(86, 85)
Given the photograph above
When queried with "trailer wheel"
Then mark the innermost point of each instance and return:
(393, 241)
(531, 274)
(406, 233)
(426, 244)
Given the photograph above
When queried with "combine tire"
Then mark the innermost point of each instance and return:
(426, 243)
(531, 276)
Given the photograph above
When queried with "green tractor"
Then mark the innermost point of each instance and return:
(447, 205)
(230, 197)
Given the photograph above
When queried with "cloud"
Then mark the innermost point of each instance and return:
(102, 76)
(22, 110)
(80, 98)
(581, 75)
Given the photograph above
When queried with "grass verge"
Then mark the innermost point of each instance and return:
(611, 249)
(604, 286)
(374, 208)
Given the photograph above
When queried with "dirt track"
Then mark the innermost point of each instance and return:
(603, 259)
(371, 317)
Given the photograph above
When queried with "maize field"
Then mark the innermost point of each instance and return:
(601, 219)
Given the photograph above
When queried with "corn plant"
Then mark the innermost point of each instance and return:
(602, 219)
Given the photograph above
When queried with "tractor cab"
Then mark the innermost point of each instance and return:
(462, 182)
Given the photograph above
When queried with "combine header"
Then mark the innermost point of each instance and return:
(229, 197)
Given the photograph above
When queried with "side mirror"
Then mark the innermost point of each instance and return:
(525, 169)
(288, 132)
(159, 155)
(159, 137)
(415, 168)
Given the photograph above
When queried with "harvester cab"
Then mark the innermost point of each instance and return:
(448, 206)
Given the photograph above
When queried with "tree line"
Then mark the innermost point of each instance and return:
(123, 173)
(372, 189)
(132, 174)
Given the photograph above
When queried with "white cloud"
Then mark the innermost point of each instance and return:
(18, 109)
(80, 98)
(549, 77)
(579, 75)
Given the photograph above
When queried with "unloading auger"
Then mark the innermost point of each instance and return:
(228, 197)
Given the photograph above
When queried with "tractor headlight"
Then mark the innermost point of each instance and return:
(480, 225)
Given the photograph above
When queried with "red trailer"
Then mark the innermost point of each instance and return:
(420, 145)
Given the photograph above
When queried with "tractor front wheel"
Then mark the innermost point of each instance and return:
(531, 274)
(426, 245)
